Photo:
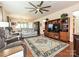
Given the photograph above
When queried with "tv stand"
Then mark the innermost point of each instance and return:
(62, 34)
(53, 35)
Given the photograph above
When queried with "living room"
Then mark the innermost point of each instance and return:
(38, 28)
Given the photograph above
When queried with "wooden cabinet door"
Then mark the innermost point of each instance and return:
(64, 36)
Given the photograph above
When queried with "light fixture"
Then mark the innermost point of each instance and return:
(38, 9)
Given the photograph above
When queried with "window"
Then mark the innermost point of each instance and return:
(22, 25)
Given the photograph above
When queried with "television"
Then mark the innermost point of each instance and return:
(56, 27)
(53, 27)
(50, 27)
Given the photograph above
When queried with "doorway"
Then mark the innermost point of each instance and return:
(37, 27)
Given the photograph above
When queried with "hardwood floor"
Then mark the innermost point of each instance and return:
(68, 52)
(10, 51)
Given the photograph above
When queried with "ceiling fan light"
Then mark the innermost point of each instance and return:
(37, 9)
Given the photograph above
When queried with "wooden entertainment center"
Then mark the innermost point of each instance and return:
(58, 29)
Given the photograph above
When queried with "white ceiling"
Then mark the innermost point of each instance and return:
(18, 7)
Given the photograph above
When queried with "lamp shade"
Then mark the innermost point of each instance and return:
(4, 24)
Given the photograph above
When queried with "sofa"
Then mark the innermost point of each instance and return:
(29, 32)
(9, 41)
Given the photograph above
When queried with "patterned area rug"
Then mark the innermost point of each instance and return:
(45, 47)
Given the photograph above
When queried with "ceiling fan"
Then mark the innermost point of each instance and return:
(38, 8)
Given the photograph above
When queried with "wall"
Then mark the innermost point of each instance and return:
(76, 26)
(0, 14)
(57, 14)
(4, 18)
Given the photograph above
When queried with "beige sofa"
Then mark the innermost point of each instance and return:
(29, 32)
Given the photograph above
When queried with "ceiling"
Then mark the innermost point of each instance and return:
(18, 7)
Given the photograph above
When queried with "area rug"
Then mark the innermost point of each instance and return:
(45, 47)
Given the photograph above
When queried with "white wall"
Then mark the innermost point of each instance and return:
(57, 14)
(76, 20)
(4, 16)
(0, 15)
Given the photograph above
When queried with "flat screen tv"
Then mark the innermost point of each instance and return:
(56, 27)
(50, 27)
(53, 27)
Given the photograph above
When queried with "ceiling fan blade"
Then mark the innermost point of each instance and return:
(40, 11)
(45, 10)
(32, 4)
(29, 8)
(41, 3)
(36, 11)
(46, 7)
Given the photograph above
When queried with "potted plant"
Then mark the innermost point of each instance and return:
(64, 16)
